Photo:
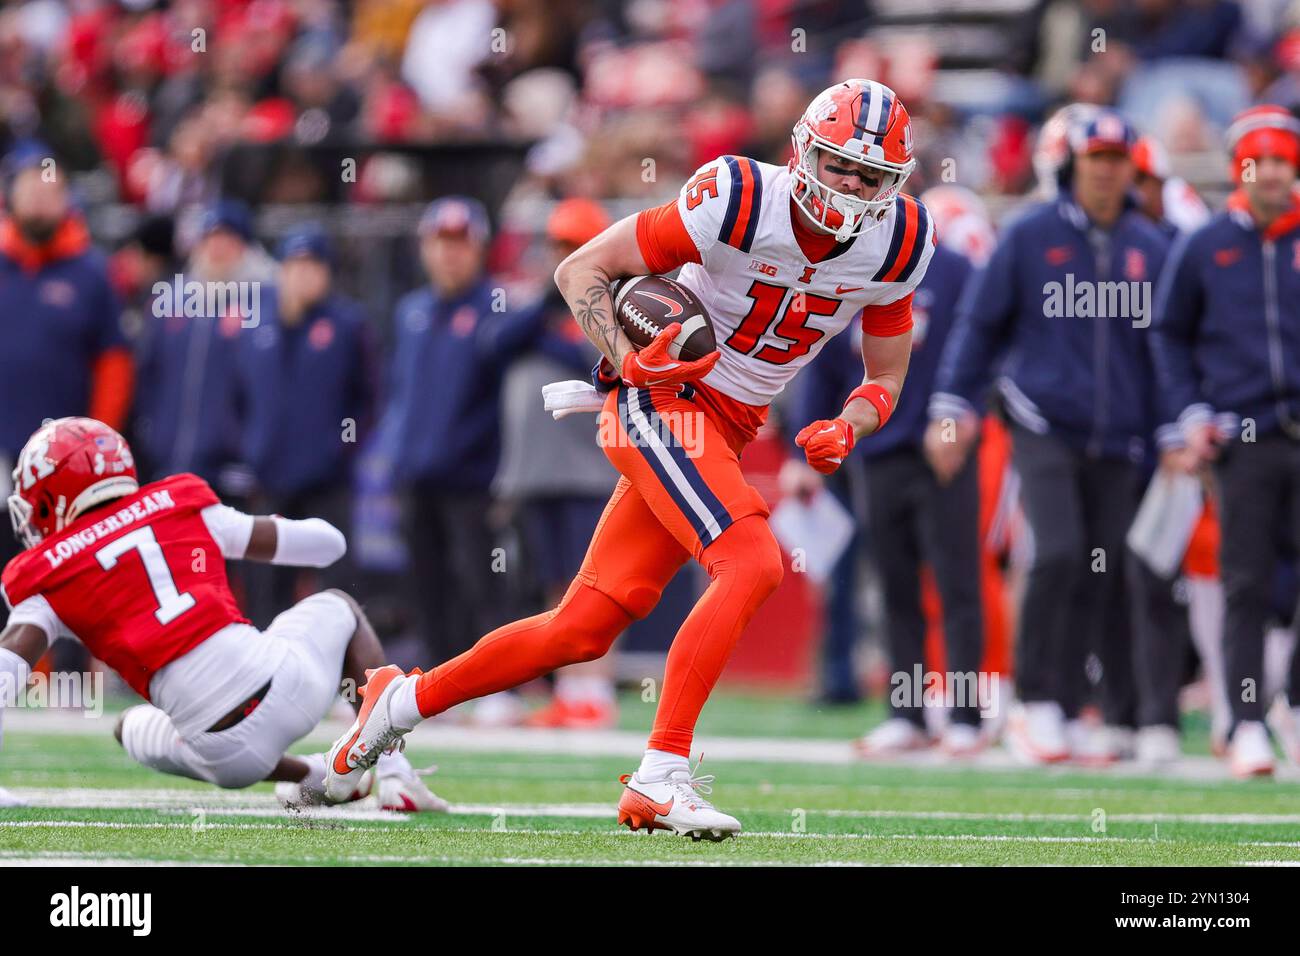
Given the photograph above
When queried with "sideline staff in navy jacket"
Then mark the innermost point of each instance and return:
(307, 372)
(442, 425)
(912, 518)
(1066, 299)
(1227, 348)
(306, 390)
(187, 416)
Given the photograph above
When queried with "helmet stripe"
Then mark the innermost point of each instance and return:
(876, 104)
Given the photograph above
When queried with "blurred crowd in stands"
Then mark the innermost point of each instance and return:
(156, 94)
(413, 420)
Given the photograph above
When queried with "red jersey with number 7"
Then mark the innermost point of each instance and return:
(140, 580)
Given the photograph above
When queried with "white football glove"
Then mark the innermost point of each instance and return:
(568, 398)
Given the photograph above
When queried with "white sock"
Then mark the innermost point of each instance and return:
(393, 764)
(659, 764)
(402, 707)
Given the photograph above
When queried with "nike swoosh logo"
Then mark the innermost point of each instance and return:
(841, 289)
(658, 368)
(341, 765)
(645, 804)
(674, 307)
(831, 428)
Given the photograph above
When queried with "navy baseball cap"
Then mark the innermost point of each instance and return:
(1106, 131)
(26, 154)
(306, 240)
(455, 215)
(229, 214)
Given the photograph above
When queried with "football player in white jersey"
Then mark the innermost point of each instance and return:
(783, 258)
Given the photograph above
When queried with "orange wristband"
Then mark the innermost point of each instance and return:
(879, 398)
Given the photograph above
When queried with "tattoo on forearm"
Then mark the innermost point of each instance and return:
(595, 314)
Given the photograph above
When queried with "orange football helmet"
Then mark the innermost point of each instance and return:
(861, 121)
(67, 467)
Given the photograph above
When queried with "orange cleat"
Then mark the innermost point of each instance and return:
(677, 804)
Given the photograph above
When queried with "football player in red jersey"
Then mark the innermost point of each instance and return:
(783, 258)
(138, 574)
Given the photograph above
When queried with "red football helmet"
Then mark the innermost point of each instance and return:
(961, 220)
(67, 467)
(1150, 158)
(861, 121)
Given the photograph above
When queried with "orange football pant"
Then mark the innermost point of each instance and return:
(668, 506)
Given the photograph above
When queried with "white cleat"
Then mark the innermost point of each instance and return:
(1098, 745)
(674, 804)
(897, 735)
(1158, 745)
(1250, 753)
(370, 735)
(961, 740)
(1284, 721)
(7, 799)
(406, 793)
(1036, 733)
(296, 796)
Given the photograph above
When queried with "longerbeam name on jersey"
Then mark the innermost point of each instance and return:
(138, 510)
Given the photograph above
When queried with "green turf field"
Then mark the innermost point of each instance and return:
(91, 804)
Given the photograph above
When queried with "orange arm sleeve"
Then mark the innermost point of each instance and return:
(112, 384)
(665, 244)
(886, 321)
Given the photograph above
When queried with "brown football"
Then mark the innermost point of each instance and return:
(647, 305)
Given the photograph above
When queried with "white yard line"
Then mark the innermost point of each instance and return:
(1210, 818)
(447, 737)
(529, 831)
(243, 803)
(62, 858)
(1268, 863)
(197, 827)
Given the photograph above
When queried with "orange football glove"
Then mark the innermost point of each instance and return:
(653, 366)
(826, 443)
